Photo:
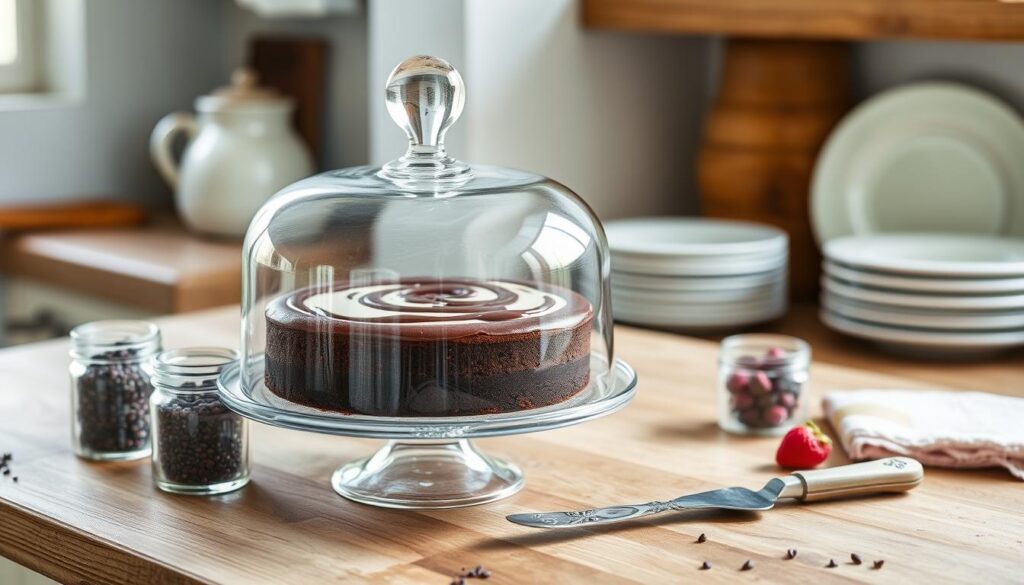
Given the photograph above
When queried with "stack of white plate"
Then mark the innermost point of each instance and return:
(933, 295)
(696, 273)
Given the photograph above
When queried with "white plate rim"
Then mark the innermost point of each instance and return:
(939, 338)
(686, 284)
(909, 282)
(922, 301)
(852, 251)
(894, 316)
(760, 238)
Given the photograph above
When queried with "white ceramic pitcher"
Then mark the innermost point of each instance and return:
(241, 150)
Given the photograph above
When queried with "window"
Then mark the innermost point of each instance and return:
(17, 47)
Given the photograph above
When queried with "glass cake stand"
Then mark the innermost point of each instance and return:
(428, 462)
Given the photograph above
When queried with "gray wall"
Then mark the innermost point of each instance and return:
(996, 67)
(346, 130)
(144, 59)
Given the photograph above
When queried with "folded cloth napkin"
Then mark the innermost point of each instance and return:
(945, 429)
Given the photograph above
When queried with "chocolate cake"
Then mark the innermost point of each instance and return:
(428, 348)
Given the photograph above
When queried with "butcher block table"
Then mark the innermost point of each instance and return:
(81, 522)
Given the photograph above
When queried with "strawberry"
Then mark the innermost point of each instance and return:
(803, 447)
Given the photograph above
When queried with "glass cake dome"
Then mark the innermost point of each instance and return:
(426, 299)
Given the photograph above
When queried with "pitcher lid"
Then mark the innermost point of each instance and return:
(244, 90)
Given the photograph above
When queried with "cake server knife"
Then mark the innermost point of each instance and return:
(893, 474)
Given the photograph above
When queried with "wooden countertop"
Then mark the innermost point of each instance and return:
(106, 523)
(160, 267)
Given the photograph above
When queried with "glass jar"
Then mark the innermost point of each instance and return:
(111, 362)
(200, 446)
(762, 382)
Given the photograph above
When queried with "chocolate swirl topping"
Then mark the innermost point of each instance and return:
(460, 300)
(427, 308)
(449, 301)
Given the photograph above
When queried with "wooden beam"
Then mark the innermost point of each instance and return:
(992, 20)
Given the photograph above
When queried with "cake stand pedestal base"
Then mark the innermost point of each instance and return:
(427, 474)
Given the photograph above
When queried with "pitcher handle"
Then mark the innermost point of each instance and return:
(162, 139)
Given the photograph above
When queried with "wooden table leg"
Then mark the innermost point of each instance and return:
(776, 104)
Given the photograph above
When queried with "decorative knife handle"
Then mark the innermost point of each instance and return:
(893, 474)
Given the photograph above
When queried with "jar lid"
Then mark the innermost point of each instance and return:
(192, 368)
(244, 91)
(115, 340)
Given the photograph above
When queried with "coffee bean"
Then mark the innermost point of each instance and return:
(199, 441)
(112, 400)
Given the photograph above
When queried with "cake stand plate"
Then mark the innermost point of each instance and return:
(429, 462)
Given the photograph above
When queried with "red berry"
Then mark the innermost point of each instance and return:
(742, 401)
(788, 400)
(803, 447)
(775, 353)
(775, 415)
(760, 383)
(738, 382)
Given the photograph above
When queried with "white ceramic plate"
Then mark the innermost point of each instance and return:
(932, 344)
(683, 266)
(923, 301)
(933, 255)
(699, 319)
(752, 294)
(922, 319)
(924, 157)
(689, 236)
(923, 284)
(693, 284)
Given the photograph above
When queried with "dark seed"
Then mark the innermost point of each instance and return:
(706, 566)
(791, 554)
(15, 479)
(855, 558)
(831, 564)
(113, 403)
(200, 441)
(878, 564)
(702, 538)
(747, 565)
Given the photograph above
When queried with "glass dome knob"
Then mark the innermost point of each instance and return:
(425, 96)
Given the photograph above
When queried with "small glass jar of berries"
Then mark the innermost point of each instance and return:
(762, 383)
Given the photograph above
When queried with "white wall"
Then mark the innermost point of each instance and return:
(143, 59)
(615, 117)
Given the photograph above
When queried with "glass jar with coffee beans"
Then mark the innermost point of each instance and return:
(762, 383)
(111, 363)
(199, 447)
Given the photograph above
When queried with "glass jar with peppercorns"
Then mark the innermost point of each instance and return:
(199, 447)
(762, 383)
(111, 362)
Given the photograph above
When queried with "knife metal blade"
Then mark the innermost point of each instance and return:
(893, 474)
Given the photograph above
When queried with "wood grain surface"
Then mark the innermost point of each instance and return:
(78, 214)
(821, 19)
(777, 102)
(85, 522)
(160, 267)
